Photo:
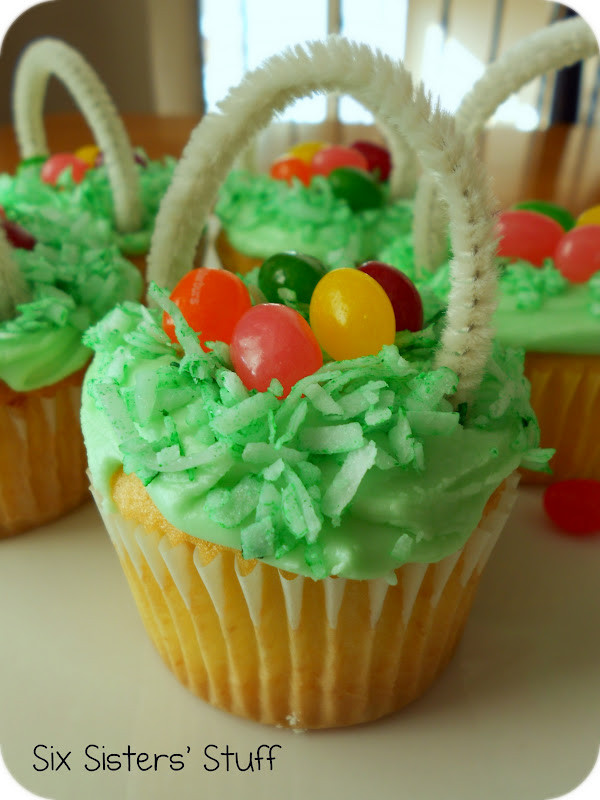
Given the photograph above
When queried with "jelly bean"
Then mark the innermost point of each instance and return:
(564, 217)
(403, 294)
(306, 150)
(17, 236)
(329, 158)
(351, 315)
(211, 301)
(577, 255)
(379, 161)
(58, 163)
(286, 169)
(274, 341)
(358, 188)
(574, 506)
(88, 153)
(527, 235)
(290, 271)
(591, 216)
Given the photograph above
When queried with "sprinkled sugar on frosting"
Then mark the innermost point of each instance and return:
(263, 216)
(370, 441)
(72, 286)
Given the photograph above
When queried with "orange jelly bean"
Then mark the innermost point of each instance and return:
(286, 169)
(212, 301)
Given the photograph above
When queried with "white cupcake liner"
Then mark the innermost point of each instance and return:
(166, 560)
(403, 635)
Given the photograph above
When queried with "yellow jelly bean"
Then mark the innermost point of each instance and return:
(591, 216)
(306, 150)
(351, 315)
(88, 153)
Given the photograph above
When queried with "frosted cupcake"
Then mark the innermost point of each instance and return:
(547, 306)
(49, 296)
(304, 544)
(107, 182)
(261, 215)
(335, 203)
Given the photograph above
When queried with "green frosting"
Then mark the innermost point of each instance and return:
(263, 216)
(72, 287)
(37, 205)
(363, 467)
(538, 308)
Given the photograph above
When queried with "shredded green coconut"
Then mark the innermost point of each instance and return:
(82, 211)
(280, 471)
(263, 216)
(72, 287)
(538, 308)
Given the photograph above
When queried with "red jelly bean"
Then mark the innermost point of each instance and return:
(574, 506)
(527, 235)
(212, 302)
(274, 341)
(378, 158)
(17, 236)
(286, 169)
(329, 158)
(577, 254)
(58, 163)
(403, 294)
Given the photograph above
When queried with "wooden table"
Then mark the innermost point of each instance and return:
(561, 164)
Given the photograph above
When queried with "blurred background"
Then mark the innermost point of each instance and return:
(178, 57)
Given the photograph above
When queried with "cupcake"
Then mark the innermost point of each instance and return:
(118, 188)
(335, 203)
(548, 305)
(304, 537)
(49, 296)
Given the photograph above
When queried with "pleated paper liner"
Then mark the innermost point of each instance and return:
(565, 395)
(287, 650)
(42, 456)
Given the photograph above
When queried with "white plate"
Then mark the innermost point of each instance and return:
(515, 717)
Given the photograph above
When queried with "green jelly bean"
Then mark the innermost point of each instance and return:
(295, 271)
(359, 189)
(558, 213)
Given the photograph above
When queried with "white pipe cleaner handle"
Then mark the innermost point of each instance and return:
(554, 47)
(13, 289)
(384, 87)
(47, 57)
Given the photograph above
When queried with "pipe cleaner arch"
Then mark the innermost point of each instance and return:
(47, 57)
(386, 88)
(556, 46)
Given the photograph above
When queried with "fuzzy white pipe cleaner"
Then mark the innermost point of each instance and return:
(554, 47)
(47, 57)
(13, 289)
(384, 87)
